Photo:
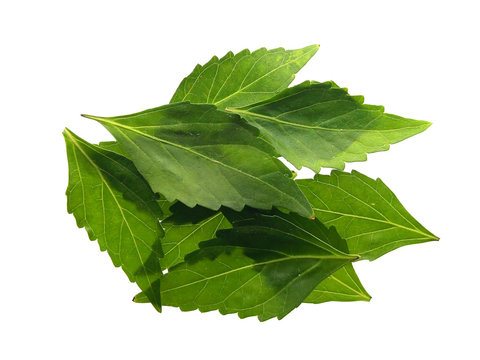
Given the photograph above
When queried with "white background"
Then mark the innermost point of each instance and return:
(61, 298)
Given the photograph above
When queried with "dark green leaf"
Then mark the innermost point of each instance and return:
(319, 125)
(199, 155)
(108, 197)
(265, 266)
(187, 227)
(364, 211)
(243, 79)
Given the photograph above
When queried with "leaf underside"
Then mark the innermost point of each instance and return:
(320, 125)
(364, 211)
(199, 155)
(110, 199)
(244, 78)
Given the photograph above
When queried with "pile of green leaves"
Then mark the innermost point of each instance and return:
(193, 203)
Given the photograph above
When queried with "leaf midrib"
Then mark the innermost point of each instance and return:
(375, 220)
(298, 257)
(283, 122)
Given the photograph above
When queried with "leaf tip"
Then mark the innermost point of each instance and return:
(89, 116)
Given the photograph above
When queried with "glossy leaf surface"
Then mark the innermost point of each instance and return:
(364, 211)
(244, 78)
(111, 200)
(320, 125)
(199, 155)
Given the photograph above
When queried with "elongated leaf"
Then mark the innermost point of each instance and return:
(108, 197)
(265, 266)
(319, 125)
(199, 155)
(243, 79)
(364, 211)
(187, 227)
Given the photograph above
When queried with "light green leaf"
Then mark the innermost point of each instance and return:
(199, 155)
(111, 200)
(243, 79)
(364, 211)
(343, 285)
(319, 125)
(265, 266)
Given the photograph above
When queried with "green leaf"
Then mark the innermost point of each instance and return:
(265, 266)
(364, 211)
(243, 79)
(161, 201)
(320, 125)
(111, 200)
(113, 146)
(199, 155)
(182, 239)
(187, 227)
(343, 285)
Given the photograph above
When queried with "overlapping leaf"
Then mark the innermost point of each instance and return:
(111, 200)
(243, 79)
(265, 266)
(364, 211)
(182, 239)
(320, 125)
(197, 162)
(186, 228)
(199, 155)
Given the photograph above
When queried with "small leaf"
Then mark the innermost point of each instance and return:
(320, 125)
(364, 211)
(243, 79)
(265, 266)
(199, 155)
(108, 197)
(343, 285)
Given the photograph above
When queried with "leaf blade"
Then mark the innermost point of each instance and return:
(187, 228)
(320, 125)
(109, 198)
(265, 266)
(199, 155)
(244, 78)
(364, 211)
